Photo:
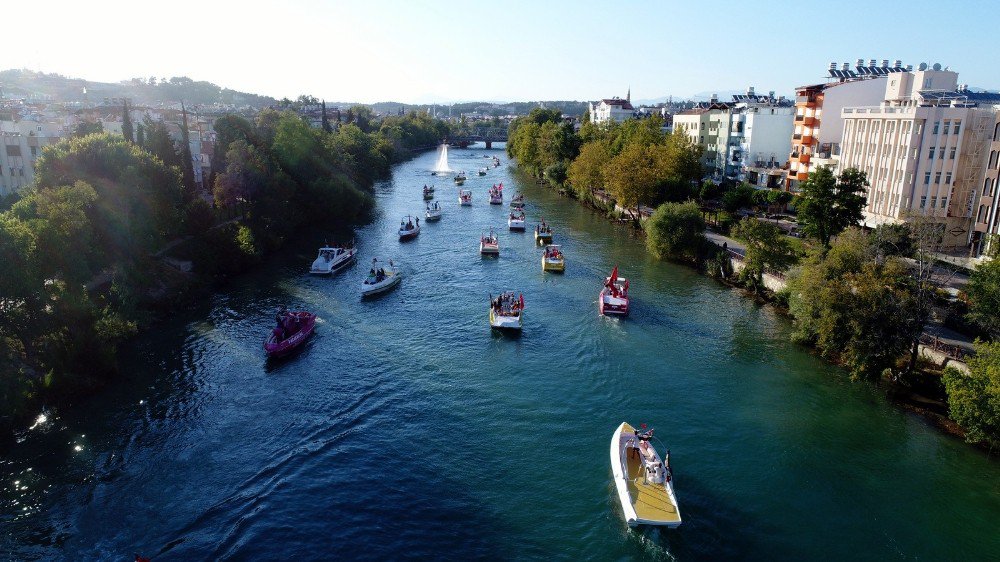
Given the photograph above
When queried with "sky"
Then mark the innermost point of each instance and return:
(423, 51)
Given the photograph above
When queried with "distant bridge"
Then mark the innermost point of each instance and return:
(488, 136)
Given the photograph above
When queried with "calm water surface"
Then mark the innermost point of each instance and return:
(407, 429)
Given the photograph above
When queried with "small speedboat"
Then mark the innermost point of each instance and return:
(543, 233)
(516, 221)
(614, 295)
(460, 178)
(428, 193)
(496, 195)
(482, 171)
(465, 197)
(489, 244)
(433, 212)
(506, 311)
(409, 228)
(517, 203)
(643, 481)
(331, 259)
(553, 259)
(293, 329)
(380, 278)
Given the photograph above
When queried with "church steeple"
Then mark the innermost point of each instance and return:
(628, 96)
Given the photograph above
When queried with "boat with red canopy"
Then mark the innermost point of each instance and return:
(292, 330)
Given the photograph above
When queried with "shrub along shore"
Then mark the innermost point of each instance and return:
(862, 299)
(86, 249)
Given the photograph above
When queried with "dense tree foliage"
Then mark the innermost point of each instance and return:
(676, 231)
(634, 162)
(983, 293)
(856, 306)
(828, 204)
(80, 247)
(974, 398)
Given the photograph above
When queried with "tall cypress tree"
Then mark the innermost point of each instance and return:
(187, 165)
(140, 135)
(326, 121)
(127, 123)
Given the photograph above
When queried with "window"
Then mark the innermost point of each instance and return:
(923, 201)
(930, 153)
(944, 202)
(927, 178)
(915, 149)
(951, 155)
(937, 125)
(957, 126)
(947, 178)
(933, 202)
(944, 131)
(937, 177)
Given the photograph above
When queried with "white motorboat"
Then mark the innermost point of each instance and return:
(409, 228)
(380, 278)
(516, 221)
(482, 171)
(489, 244)
(465, 197)
(331, 259)
(496, 195)
(460, 178)
(433, 212)
(506, 311)
(643, 481)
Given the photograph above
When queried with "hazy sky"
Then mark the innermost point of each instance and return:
(422, 51)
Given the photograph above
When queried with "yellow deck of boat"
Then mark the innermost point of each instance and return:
(651, 502)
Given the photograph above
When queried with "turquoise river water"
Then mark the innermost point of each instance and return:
(406, 429)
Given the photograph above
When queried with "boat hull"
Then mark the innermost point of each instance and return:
(433, 217)
(368, 290)
(329, 268)
(499, 322)
(292, 343)
(558, 266)
(408, 234)
(516, 225)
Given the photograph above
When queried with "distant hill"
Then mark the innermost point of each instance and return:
(143, 91)
(487, 108)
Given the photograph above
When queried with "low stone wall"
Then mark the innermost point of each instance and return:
(773, 282)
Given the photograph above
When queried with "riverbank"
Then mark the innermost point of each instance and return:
(922, 394)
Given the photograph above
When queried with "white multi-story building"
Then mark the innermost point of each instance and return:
(923, 149)
(613, 109)
(23, 141)
(746, 139)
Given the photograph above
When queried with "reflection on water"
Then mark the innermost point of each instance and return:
(407, 427)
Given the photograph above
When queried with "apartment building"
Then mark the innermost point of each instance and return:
(23, 140)
(985, 237)
(746, 139)
(923, 149)
(818, 126)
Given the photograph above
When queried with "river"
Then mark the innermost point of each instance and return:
(406, 429)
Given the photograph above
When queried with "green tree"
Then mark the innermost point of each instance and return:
(85, 128)
(631, 176)
(974, 398)
(140, 135)
(676, 231)
(767, 248)
(893, 240)
(827, 204)
(127, 130)
(326, 120)
(246, 174)
(739, 197)
(983, 291)
(584, 173)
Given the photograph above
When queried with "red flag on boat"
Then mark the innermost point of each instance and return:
(614, 275)
(626, 285)
(642, 425)
(521, 300)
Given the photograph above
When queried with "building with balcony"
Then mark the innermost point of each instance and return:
(742, 140)
(923, 149)
(985, 237)
(818, 126)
